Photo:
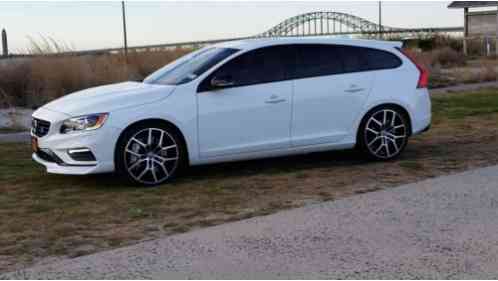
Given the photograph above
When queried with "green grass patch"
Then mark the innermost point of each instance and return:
(465, 104)
(12, 130)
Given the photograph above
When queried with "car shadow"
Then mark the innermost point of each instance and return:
(245, 168)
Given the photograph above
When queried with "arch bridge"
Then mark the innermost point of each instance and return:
(336, 23)
(309, 24)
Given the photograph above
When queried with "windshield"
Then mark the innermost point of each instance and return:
(189, 67)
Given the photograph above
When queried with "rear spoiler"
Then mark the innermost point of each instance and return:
(395, 44)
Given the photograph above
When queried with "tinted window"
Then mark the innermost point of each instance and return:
(354, 59)
(318, 60)
(378, 59)
(258, 66)
(190, 67)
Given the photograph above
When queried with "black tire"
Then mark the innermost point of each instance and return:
(392, 138)
(131, 162)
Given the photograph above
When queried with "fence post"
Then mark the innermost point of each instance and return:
(5, 46)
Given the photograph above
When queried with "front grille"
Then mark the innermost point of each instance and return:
(40, 127)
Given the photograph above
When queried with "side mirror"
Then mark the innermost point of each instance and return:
(222, 81)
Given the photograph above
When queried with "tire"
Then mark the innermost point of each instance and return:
(383, 133)
(150, 154)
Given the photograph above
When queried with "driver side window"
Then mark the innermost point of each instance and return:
(259, 66)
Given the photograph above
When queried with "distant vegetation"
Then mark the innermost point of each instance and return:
(35, 81)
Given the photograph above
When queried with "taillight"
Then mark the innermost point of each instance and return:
(423, 78)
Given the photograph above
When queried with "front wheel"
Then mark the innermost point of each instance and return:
(149, 154)
(384, 133)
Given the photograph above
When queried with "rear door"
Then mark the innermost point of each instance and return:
(330, 89)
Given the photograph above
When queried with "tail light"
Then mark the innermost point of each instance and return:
(423, 78)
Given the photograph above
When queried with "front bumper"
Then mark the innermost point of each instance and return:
(55, 168)
(101, 143)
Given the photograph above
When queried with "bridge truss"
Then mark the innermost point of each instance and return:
(336, 23)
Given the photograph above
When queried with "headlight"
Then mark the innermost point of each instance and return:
(84, 123)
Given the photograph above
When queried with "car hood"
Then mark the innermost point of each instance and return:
(109, 97)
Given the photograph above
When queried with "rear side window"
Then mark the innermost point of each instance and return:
(354, 59)
(318, 60)
(321, 60)
(378, 59)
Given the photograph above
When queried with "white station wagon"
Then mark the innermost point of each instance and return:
(239, 100)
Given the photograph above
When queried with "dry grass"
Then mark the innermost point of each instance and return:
(33, 82)
(439, 58)
(45, 217)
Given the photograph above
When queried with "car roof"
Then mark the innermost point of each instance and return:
(249, 44)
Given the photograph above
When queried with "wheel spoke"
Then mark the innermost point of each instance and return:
(399, 127)
(376, 121)
(163, 159)
(168, 147)
(163, 167)
(160, 144)
(135, 164)
(391, 135)
(379, 148)
(134, 153)
(388, 152)
(373, 131)
(394, 119)
(394, 144)
(143, 172)
(149, 138)
(152, 169)
(385, 118)
(139, 142)
(374, 140)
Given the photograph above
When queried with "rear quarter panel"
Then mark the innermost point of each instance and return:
(393, 86)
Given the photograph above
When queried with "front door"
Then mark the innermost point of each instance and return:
(251, 110)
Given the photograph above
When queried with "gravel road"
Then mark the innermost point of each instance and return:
(435, 229)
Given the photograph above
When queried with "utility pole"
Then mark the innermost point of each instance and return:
(380, 19)
(124, 30)
(5, 47)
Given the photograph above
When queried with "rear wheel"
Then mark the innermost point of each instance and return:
(384, 133)
(150, 154)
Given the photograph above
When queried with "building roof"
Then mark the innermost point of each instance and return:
(472, 4)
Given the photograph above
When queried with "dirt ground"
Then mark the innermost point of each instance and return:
(47, 217)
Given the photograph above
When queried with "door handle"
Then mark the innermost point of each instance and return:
(275, 99)
(354, 90)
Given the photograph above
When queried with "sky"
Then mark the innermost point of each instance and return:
(94, 25)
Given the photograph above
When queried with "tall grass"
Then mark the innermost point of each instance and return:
(47, 45)
(32, 82)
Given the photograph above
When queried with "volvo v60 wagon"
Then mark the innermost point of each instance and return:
(239, 100)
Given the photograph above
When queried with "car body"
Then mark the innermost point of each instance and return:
(301, 95)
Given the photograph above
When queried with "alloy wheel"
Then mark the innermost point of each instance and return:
(151, 156)
(385, 134)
